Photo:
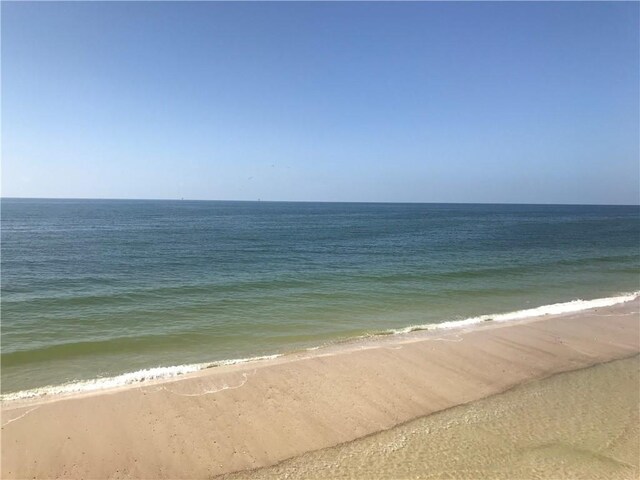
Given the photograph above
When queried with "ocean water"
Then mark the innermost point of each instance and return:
(120, 290)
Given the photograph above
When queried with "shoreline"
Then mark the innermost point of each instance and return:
(403, 450)
(161, 374)
(246, 416)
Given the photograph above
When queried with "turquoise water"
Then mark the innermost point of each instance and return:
(95, 288)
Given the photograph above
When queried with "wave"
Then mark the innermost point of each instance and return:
(159, 373)
(553, 309)
(130, 378)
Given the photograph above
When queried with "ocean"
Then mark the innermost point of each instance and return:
(99, 293)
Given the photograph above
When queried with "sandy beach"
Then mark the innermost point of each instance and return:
(320, 240)
(578, 424)
(254, 415)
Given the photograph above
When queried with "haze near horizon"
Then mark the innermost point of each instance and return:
(374, 102)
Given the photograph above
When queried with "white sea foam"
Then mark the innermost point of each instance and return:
(160, 373)
(157, 373)
(553, 309)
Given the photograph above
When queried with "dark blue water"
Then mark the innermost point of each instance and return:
(100, 287)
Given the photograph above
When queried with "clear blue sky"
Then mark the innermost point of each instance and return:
(418, 102)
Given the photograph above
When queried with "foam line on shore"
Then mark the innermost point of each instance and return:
(552, 309)
(161, 373)
(139, 376)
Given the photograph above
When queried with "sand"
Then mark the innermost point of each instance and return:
(255, 415)
(578, 424)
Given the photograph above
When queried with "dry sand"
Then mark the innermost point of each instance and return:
(254, 415)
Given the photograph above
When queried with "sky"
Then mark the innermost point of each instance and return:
(374, 102)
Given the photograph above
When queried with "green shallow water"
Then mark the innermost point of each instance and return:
(95, 288)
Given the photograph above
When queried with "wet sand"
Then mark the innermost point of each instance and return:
(579, 424)
(255, 415)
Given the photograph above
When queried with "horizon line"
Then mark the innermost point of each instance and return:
(323, 201)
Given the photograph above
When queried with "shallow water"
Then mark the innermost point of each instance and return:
(97, 288)
(581, 424)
